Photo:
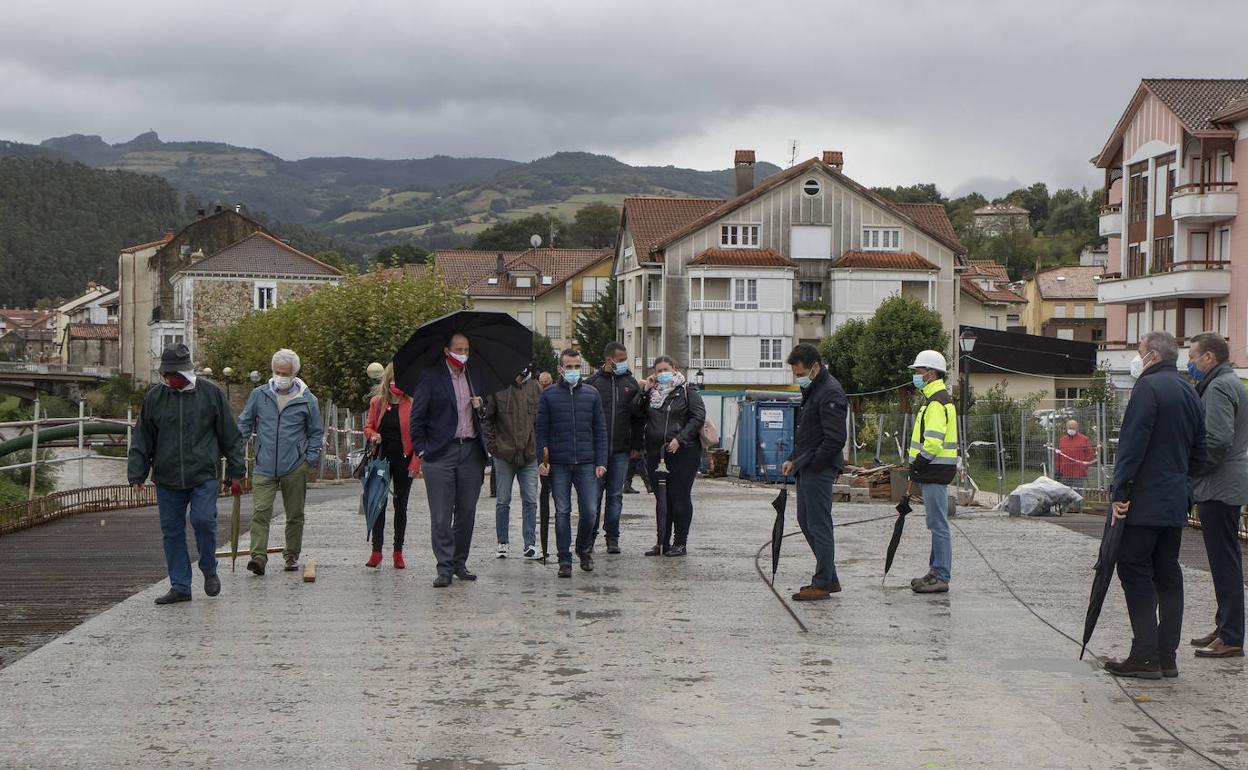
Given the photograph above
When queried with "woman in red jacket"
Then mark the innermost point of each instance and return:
(388, 430)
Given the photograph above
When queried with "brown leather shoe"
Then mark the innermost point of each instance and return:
(1219, 649)
(811, 594)
(1204, 641)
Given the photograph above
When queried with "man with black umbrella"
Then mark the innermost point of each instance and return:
(448, 436)
(817, 460)
(1161, 442)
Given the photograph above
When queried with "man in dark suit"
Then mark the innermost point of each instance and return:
(1160, 445)
(448, 436)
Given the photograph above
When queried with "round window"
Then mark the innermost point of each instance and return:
(812, 187)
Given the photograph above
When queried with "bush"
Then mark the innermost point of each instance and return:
(900, 328)
(811, 304)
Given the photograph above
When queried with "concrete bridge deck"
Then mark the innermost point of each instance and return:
(643, 663)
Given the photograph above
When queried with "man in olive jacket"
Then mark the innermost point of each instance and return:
(510, 415)
(1220, 488)
(184, 429)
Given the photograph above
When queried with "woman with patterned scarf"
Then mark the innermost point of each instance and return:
(674, 414)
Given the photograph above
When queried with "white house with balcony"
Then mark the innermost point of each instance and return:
(698, 278)
(1176, 245)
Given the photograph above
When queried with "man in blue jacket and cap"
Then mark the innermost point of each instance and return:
(1160, 446)
(285, 418)
(572, 447)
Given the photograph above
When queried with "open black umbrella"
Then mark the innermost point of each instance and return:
(777, 528)
(1107, 560)
(903, 507)
(501, 348)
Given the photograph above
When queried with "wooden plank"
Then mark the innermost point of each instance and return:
(309, 571)
(227, 553)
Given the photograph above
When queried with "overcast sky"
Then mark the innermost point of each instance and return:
(951, 91)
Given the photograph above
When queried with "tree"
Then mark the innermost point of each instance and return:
(514, 236)
(544, 358)
(337, 331)
(596, 327)
(900, 328)
(840, 352)
(401, 254)
(332, 258)
(594, 227)
(915, 193)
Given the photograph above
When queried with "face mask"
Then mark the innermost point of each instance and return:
(176, 381)
(621, 367)
(1071, 432)
(917, 380)
(665, 377)
(395, 390)
(572, 376)
(282, 383)
(1196, 373)
(803, 382)
(457, 360)
(1137, 365)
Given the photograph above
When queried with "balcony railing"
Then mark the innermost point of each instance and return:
(710, 363)
(711, 304)
(590, 296)
(654, 305)
(1111, 220)
(1193, 278)
(1204, 202)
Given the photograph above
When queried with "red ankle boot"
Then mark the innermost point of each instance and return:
(398, 560)
(373, 560)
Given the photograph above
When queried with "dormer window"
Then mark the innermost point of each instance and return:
(881, 239)
(524, 281)
(739, 236)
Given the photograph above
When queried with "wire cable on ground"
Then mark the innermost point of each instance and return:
(1117, 680)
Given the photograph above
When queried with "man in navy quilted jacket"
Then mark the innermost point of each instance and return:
(572, 448)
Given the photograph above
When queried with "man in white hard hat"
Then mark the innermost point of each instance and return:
(934, 463)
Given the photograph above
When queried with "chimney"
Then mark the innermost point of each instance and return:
(500, 264)
(834, 158)
(743, 161)
(238, 208)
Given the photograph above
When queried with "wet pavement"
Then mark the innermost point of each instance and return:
(646, 662)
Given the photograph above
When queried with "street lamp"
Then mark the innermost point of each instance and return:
(228, 374)
(254, 377)
(967, 343)
(700, 379)
(374, 371)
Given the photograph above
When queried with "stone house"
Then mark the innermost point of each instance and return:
(998, 219)
(90, 344)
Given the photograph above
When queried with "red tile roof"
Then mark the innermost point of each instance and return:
(883, 260)
(1068, 281)
(262, 254)
(933, 218)
(988, 269)
(741, 258)
(150, 244)
(21, 318)
(471, 270)
(651, 220)
(998, 294)
(94, 331)
(1199, 104)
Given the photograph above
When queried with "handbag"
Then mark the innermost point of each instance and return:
(709, 433)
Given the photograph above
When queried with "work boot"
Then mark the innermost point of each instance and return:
(811, 594)
(1220, 649)
(256, 565)
(931, 585)
(212, 586)
(1133, 667)
(587, 561)
(173, 597)
(565, 570)
(1204, 641)
(613, 545)
(292, 564)
(919, 580)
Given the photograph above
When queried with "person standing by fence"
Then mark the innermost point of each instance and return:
(933, 464)
(285, 418)
(1074, 455)
(184, 429)
(1221, 488)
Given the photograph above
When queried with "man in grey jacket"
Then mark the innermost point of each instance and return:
(285, 418)
(1221, 488)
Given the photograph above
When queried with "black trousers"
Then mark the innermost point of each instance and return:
(1219, 524)
(1153, 584)
(402, 486)
(682, 469)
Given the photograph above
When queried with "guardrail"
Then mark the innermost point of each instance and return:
(30, 367)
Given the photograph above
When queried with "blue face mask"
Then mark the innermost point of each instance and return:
(665, 377)
(621, 367)
(1196, 374)
(917, 379)
(572, 376)
(803, 382)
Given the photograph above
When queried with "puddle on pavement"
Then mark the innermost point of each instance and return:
(458, 763)
(591, 614)
(1048, 665)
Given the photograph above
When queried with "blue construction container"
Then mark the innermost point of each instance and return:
(765, 437)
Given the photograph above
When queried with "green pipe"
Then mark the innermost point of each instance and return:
(60, 433)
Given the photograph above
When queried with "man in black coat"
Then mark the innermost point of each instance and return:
(1160, 445)
(616, 385)
(816, 460)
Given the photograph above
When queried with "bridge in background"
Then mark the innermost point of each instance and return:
(28, 379)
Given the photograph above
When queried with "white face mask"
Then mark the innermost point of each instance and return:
(282, 383)
(1071, 432)
(1137, 365)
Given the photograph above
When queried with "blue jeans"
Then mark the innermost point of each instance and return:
(814, 516)
(203, 504)
(936, 503)
(562, 478)
(506, 472)
(611, 486)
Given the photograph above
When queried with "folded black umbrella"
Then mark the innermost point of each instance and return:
(501, 348)
(1107, 560)
(903, 507)
(544, 506)
(777, 528)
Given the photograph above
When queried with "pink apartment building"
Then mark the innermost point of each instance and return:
(1176, 222)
